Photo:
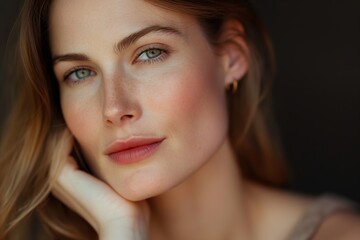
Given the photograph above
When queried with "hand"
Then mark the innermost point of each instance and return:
(112, 216)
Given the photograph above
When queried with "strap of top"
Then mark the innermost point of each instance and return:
(312, 218)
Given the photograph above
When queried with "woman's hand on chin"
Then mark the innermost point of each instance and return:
(112, 216)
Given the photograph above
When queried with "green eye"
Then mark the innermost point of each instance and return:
(78, 75)
(150, 55)
(153, 53)
(82, 73)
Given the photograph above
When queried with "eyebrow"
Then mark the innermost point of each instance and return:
(131, 39)
(121, 45)
(70, 57)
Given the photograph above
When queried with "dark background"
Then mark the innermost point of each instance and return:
(316, 92)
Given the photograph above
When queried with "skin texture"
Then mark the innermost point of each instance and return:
(180, 96)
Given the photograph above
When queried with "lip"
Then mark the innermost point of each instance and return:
(133, 149)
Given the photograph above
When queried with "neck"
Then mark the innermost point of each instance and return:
(208, 205)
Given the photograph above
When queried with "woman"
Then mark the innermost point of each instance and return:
(124, 128)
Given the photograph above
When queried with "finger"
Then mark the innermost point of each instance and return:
(91, 198)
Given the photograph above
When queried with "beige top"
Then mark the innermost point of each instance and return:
(316, 214)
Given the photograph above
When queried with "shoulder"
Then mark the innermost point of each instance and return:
(329, 217)
(288, 215)
(340, 226)
(280, 211)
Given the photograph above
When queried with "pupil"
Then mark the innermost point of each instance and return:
(82, 73)
(153, 53)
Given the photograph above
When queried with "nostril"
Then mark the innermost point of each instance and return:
(126, 117)
(115, 120)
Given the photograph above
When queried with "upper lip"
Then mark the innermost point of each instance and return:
(132, 142)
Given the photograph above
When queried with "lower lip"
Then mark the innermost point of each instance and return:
(134, 154)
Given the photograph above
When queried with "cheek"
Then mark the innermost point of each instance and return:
(81, 115)
(196, 110)
(204, 111)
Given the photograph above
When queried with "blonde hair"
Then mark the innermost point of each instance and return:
(36, 123)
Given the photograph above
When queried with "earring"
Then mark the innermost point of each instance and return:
(233, 85)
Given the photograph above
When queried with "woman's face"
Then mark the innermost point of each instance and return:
(135, 75)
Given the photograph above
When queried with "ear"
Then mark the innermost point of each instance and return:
(234, 51)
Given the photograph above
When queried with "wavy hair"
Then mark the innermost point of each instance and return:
(35, 122)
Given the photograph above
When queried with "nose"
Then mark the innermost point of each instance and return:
(120, 104)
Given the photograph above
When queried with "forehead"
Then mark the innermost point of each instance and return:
(110, 10)
(81, 20)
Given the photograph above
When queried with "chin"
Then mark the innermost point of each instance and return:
(138, 188)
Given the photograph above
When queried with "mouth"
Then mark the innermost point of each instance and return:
(132, 150)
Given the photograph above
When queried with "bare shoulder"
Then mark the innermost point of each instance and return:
(340, 226)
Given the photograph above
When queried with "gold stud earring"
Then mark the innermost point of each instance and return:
(233, 85)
